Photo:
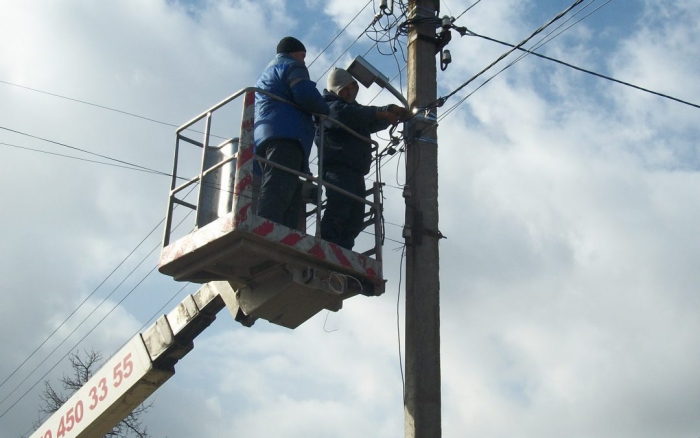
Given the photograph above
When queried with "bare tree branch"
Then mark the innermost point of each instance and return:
(84, 367)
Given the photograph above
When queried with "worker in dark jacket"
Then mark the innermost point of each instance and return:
(284, 133)
(346, 158)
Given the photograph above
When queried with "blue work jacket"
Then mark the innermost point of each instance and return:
(289, 79)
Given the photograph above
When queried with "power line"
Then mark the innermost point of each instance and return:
(549, 37)
(467, 10)
(386, 32)
(339, 33)
(376, 18)
(157, 312)
(125, 164)
(465, 31)
(374, 21)
(65, 355)
(83, 303)
(86, 335)
(80, 159)
(103, 107)
(441, 101)
(89, 315)
(83, 151)
(590, 72)
(546, 39)
(90, 103)
(129, 166)
(80, 325)
(398, 322)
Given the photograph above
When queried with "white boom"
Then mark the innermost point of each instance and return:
(137, 370)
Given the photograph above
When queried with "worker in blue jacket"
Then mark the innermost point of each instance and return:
(284, 132)
(347, 158)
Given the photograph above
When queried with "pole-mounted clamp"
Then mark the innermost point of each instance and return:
(417, 230)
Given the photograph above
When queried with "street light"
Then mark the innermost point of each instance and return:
(366, 74)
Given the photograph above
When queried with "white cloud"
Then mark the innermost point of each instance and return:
(568, 277)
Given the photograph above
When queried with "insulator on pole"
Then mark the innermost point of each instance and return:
(445, 59)
(385, 8)
(446, 22)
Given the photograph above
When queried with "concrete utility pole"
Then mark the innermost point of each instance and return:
(422, 404)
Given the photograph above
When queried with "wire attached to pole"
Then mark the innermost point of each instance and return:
(441, 101)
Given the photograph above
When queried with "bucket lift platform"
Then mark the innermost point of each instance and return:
(279, 274)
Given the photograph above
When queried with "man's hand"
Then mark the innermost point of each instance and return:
(402, 113)
(389, 116)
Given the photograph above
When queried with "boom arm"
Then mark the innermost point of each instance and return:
(137, 370)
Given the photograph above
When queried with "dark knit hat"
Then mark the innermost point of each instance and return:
(290, 45)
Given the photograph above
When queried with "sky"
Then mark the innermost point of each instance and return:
(570, 298)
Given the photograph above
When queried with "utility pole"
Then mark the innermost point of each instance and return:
(422, 399)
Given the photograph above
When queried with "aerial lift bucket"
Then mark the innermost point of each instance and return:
(276, 273)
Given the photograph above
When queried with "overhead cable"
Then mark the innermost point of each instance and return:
(554, 34)
(101, 107)
(130, 167)
(546, 39)
(153, 317)
(441, 101)
(339, 33)
(89, 103)
(376, 18)
(81, 339)
(76, 328)
(82, 150)
(590, 72)
(467, 10)
(83, 303)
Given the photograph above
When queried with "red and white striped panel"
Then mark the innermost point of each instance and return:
(243, 185)
(244, 217)
(319, 249)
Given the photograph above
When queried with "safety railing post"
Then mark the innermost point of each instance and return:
(201, 219)
(171, 206)
(244, 186)
(319, 194)
(378, 215)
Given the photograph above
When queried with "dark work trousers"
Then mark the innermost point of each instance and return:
(343, 218)
(280, 193)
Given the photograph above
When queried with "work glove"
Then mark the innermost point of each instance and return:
(402, 113)
(387, 115)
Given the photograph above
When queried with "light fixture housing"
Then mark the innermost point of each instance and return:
(366, 74)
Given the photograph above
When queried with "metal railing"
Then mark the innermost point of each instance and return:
(216, 167)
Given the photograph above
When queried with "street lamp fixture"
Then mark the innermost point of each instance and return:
(366, 74)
